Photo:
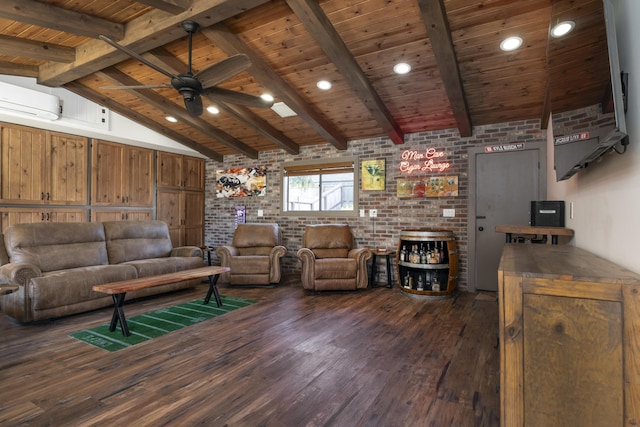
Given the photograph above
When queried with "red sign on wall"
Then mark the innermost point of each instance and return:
(430, 160)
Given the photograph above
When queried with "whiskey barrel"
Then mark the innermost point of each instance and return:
(433, 273)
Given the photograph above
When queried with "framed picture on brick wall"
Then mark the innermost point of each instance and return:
(373, 174)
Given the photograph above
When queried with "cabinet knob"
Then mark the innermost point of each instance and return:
(481, 228)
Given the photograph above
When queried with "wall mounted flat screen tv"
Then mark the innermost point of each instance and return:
(573, 152)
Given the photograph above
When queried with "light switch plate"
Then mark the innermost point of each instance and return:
(449, 213)
(373, 213)
(260, 212)
(362, 213)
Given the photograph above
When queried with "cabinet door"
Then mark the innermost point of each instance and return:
(169, 209)
(102, 215)
(193, 173)
(170, 173)
(68, 157)
(106, 176)
(138, 177)
(193, 218)
(11, 216)
(24, 165)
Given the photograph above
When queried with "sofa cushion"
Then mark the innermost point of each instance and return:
(156, 266)
(336, 268)
(136, 240)
(57, 246)
(328, 240)
(67, 287)
(250, 265)
(256, 235)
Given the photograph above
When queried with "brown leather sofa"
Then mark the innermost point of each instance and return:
(330, 260)
(253, 256)
(56, 265)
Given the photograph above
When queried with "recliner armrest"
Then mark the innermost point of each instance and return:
(274, 259)
(361, 255)
(19, 273)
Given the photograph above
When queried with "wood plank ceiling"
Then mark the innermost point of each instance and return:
(459, 78)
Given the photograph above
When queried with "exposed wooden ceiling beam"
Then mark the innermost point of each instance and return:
(437, 24)
(100, 99)
(160, 102)
(174, 65)
(147, 32)
(318, 25)
(222, 37)
(49, 16)
(12, 46)
(171, 6)
(13, 69)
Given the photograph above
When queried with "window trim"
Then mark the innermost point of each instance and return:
(322, 164)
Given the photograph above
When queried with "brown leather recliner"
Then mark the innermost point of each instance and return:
(330, 260)
(253, 256)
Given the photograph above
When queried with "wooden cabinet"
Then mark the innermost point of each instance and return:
(42, 167)
(178, 171)
(19, 215)
(427, 262)
(122, 175)
(180, 197)
(183, 211)
(569, 347)
(106, 214)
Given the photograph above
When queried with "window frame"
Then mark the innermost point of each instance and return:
(319, 164)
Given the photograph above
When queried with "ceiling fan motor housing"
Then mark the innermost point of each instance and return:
(188, 86)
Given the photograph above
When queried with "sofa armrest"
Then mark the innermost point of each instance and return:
(19, 273)
(361, 255)
(186, 251)
(308, 260)
(274, 261)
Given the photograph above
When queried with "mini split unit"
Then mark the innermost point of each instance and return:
(28, 103)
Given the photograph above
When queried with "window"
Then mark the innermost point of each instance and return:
(320, 187)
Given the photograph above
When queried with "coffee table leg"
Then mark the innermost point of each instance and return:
(213, 289)
(118, 315)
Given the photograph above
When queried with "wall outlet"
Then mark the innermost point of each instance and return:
(260, 212)
(362, 215)
(373, 213)
(449, 213)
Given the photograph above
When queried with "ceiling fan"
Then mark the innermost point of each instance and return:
(192, 86)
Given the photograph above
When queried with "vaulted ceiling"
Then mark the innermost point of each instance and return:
(459, 79)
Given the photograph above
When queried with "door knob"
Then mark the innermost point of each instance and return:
(480, 228)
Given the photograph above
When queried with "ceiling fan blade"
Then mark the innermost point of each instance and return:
(223, 70)
(136, 56)
(193, 106)
(137, 87)
(233, 97)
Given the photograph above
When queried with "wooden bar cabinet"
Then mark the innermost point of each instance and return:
(569, 338)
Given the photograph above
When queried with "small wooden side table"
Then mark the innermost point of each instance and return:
(387, 254)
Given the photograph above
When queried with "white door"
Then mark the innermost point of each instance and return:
(505, 185)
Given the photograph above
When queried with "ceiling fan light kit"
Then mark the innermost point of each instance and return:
(193, 86)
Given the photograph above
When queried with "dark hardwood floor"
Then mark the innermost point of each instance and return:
(369, 358)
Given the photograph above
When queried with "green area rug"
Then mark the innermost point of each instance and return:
(157, 323)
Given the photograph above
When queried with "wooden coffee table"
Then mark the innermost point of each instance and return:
(118, 290)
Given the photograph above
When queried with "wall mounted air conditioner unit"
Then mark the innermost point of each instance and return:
(28, 102)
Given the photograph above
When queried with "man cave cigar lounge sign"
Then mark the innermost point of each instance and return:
(429, 161)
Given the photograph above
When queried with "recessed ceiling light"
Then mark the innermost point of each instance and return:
(402, 68)
(267, 97)
(563, 28)
(213, 110)
(324, 85)
(171, 119)
(511, 43)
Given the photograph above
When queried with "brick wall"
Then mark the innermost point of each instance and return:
(394, 214)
